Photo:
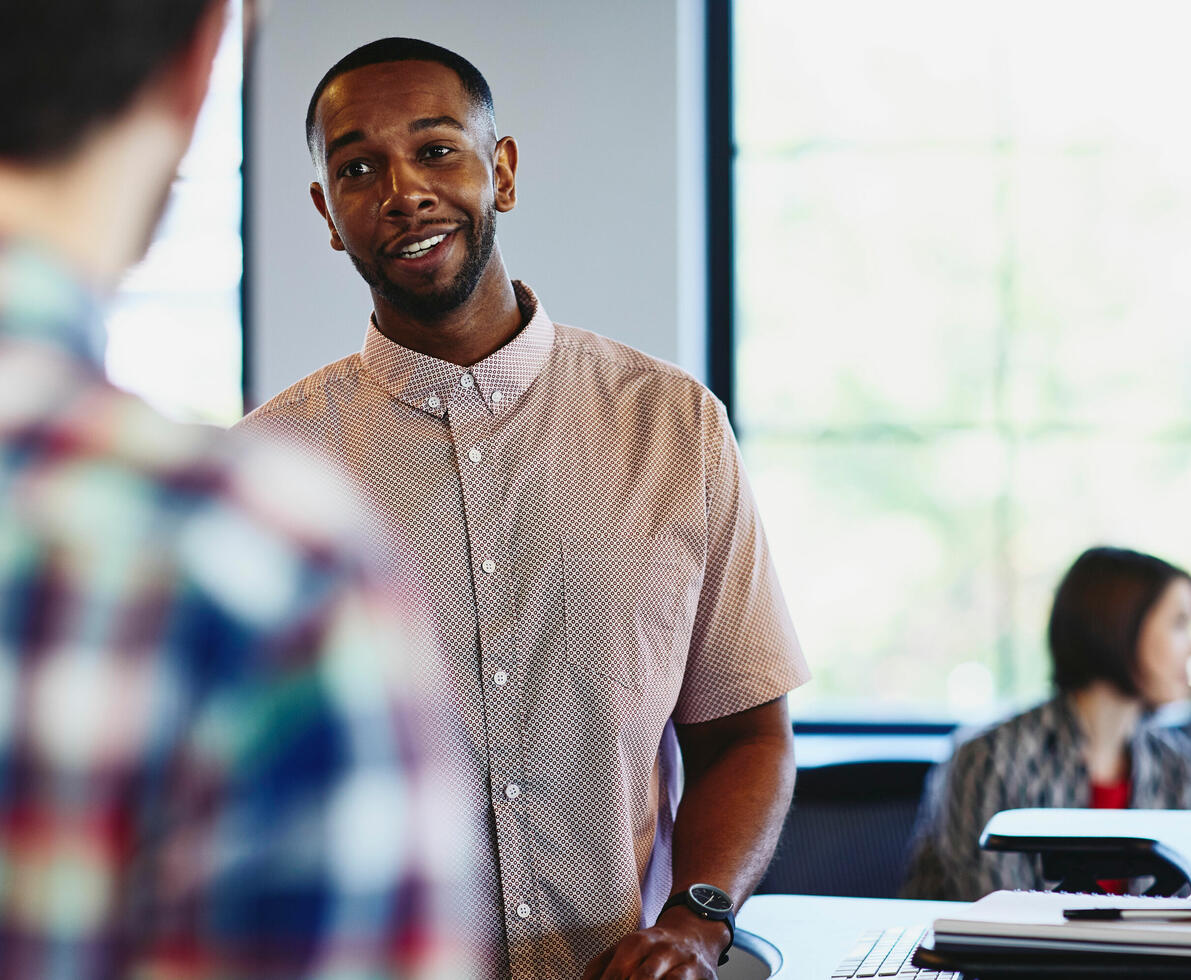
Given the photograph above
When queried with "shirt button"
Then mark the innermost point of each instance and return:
(498, 396)
(500, 678)
(467, 381)
(524, 911)
(475, 455)
(512, 791)
(433, 402)
(489, 566)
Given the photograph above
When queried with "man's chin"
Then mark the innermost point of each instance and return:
(430, 305)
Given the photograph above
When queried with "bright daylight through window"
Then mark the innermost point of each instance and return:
(963, 348)
(174, 331)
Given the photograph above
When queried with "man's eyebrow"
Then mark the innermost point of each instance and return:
(339, 142)
(433, 122)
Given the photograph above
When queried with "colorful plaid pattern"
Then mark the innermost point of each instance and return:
(207, 762)
(599, 574)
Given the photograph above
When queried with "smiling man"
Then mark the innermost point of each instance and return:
(603, 586)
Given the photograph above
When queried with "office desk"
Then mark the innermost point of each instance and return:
(810, 934)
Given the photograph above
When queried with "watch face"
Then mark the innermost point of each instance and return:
(711, 898)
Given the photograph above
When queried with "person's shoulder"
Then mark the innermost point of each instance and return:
(112, 439)
(614, 356)
(1171, 742)
(309, 394)
(107, 477)
(1006, 733)
(246, 522)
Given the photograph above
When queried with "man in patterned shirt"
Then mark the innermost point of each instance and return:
(205, 759)
(603, 586)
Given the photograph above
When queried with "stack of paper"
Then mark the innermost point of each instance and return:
(1054, 933)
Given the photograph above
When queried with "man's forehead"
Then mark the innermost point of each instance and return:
(394, 91)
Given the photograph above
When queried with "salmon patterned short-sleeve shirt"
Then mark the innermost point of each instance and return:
(598, 574)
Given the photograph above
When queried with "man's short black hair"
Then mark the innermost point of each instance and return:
(389, 49)
(68, 65)
(1097, 616)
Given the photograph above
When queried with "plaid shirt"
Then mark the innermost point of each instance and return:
(205, 733)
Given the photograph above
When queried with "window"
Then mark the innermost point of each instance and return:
(962, 343)
(174, 330)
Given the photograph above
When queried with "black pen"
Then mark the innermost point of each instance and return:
(1114, 914)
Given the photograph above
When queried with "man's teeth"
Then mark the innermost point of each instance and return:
(420, 248)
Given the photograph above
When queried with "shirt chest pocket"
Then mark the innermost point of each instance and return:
(628, 605)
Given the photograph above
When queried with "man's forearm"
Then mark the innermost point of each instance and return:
(740, 776)
(731, 815)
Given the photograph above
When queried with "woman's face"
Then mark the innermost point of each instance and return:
(1164, 646)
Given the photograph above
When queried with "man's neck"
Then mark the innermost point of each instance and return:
(35, 205)
(483, 323)
(94, 207)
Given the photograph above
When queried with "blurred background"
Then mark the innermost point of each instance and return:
(963, 266)
(957, 347)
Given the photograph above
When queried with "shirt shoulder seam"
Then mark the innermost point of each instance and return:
(652, 364)
(300, 392)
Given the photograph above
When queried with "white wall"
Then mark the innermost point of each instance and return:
(603, 98)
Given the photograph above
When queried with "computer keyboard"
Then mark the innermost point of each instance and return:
(886, 953)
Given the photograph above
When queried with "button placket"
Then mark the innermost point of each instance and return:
(471, 426)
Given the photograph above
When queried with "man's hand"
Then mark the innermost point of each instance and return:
(739, 778)
(680, 947)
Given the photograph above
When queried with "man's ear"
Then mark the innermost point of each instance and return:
(187, 75)
(320, 202)
(504, 174)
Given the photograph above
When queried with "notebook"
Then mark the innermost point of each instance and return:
(1012, 920)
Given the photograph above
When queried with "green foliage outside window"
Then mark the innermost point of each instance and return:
(963, 324)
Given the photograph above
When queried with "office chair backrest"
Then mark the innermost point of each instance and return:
(848, 830)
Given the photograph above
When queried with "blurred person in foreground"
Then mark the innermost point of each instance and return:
(604, 589)
(206, 767)
(1120, 639)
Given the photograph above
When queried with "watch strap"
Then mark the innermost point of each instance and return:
(729, 919)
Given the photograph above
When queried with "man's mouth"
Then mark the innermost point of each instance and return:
(418, 249)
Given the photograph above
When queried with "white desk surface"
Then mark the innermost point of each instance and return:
(813, 932)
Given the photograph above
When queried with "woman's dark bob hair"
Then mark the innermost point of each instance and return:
(1097, 615)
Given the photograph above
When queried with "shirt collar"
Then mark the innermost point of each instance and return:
(43, 301)
(429, 384)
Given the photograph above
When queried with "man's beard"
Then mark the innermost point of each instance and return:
(478, 243)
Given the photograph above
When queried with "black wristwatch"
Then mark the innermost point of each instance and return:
(711, 903)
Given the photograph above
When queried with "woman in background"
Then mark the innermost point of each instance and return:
(1120, 639)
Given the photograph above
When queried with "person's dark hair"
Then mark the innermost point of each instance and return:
(1097, 615)
(389, 49)
(67, 66)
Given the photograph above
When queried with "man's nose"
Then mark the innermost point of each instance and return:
(407, 190)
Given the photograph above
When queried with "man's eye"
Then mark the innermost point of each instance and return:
(437, 152)
(356, 168)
